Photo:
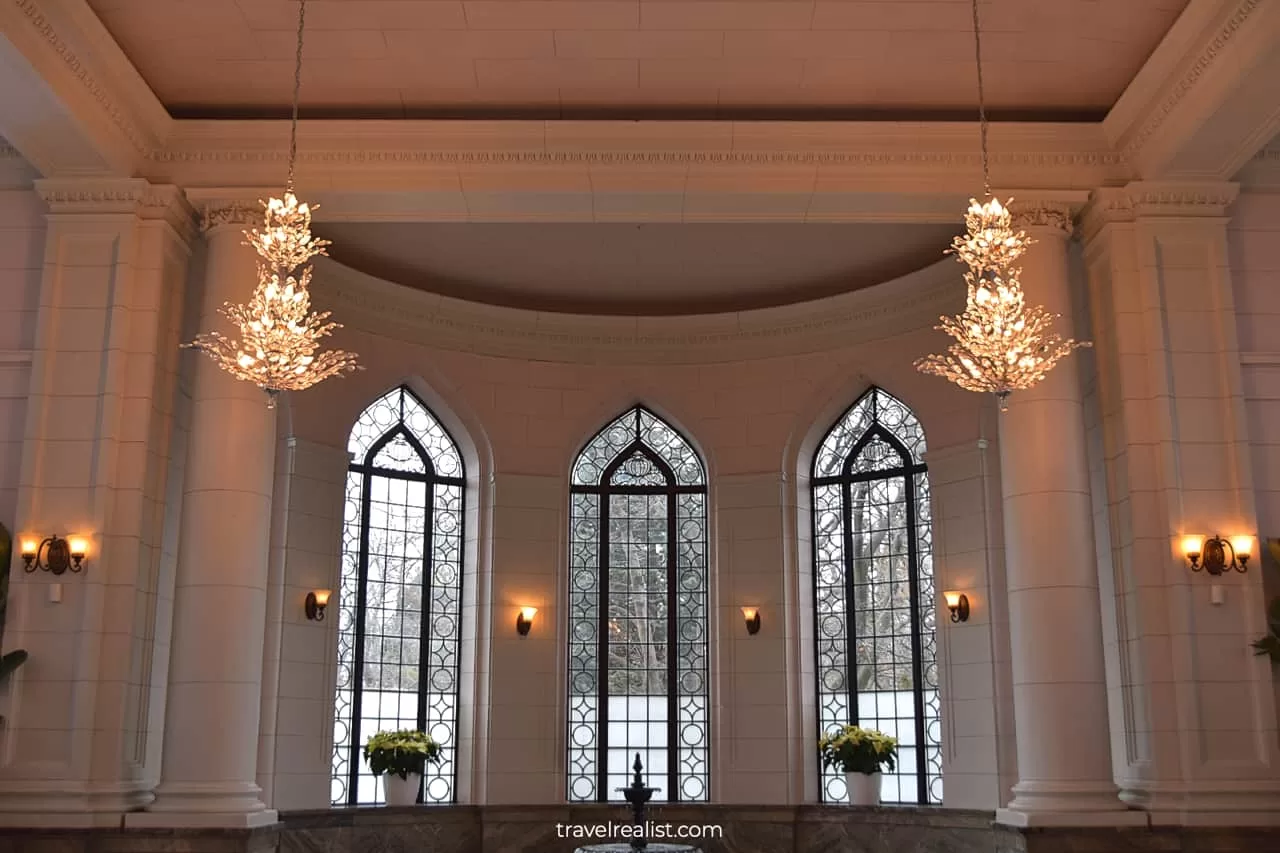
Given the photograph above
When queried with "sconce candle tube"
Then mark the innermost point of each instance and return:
(524, 621)
(751, 615)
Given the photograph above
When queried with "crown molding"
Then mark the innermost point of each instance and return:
(1191, 105)
(373, 307)
(96, 94)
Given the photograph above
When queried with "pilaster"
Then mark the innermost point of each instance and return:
(1192, 710)
(85, 718)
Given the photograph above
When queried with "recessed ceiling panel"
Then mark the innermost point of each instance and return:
(393, 58)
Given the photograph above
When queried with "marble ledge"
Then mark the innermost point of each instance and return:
(262, 840)
(533, 829)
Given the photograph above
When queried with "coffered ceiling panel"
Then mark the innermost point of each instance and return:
(393, 58)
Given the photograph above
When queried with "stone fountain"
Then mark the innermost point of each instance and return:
(638, 794)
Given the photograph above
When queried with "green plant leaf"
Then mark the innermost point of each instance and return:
(10, 662)
(1270, 644)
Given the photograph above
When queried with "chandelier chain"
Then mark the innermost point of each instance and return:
(982, 101)
(297, 90)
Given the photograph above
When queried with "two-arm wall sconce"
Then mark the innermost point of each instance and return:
(751, 615)
(958, 604)
(55, 554)
(524, 621)
(1210, 555)
(317, 601)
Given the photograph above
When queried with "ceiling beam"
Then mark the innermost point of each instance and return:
(1208, 98)
(70, 101)
(625, 171)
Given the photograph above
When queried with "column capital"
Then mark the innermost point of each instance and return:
(1156, 199)
(1045, 212)
(1039, 218)
(236, 207)
(105, 196)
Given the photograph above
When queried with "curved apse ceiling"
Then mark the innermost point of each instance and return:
(630, 269)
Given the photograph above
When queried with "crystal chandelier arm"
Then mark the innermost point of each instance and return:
(1001, 344)
(278, 348)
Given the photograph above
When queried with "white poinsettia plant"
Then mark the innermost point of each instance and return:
(854, 749)
(401, 752)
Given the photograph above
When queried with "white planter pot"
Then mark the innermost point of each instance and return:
(864, 788)
(402, 792)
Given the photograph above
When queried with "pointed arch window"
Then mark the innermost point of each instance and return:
(874, 594)
(638, 677)
(399, 602)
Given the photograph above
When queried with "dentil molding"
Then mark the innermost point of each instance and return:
(1208, 55)
(120, 115)
(69, 198)
(1157, 199)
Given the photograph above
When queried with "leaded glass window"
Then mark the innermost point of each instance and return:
(874, 594)
(638, 613)
(399, 601)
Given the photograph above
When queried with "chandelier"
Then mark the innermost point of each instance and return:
(279, 342)
(1001, 344)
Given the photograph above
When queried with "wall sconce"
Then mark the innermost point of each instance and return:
(317, 601)
(54, 554)
(958, 604)
(752, 617)
(1210, 555)
(525, 620)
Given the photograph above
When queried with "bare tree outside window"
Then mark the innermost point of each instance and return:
(874, 594)
(399, 601)
(638, 613)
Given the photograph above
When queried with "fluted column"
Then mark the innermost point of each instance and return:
(1059, 678)
(215, 685)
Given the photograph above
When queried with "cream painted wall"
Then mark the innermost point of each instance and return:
(755, 420)
(1254, 244)
(22, 232)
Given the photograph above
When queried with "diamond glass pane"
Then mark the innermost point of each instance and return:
(399, 597)
(638, 654)
(875, 628)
